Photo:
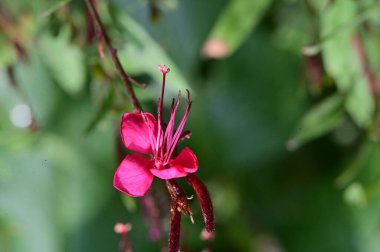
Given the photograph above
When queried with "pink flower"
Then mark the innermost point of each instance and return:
(142, 133)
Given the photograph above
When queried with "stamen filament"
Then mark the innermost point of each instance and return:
(178, 132)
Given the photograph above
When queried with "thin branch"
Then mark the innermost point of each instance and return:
(125, 78)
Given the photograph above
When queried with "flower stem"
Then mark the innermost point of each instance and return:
(125, 78)
(175, 228)
(178, 195)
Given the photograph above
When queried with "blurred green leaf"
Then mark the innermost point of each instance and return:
(64, 60)
(360, 103)
(41, 92)
(54, 7)
(129, 203)
(318, 121)
(355, 195)
(337, 50)
(341, 61)
(236, 23)
(70, 166)
(7, 53)
(362, 160)
(318, 5)
(105, 107)
(141, 54)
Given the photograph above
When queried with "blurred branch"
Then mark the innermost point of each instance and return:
(125, 78)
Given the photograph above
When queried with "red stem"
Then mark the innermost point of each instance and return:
(125, 78)
(175, 228)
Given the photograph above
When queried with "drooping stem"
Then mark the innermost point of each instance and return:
(125, 78)
(204, 200)
(175, 228)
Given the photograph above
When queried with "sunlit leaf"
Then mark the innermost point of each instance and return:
(355, 195)
(342, 62)
(233, 27)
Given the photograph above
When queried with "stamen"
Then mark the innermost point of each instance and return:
(159, 127)
(164, 69)
(169, 129)
(180, 128)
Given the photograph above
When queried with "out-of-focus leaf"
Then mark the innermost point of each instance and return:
(360, 103)
(42, 94)
(341, 61)
(64, 60)
(355, 195)
(105, 107)
(318, 121)
(364, 170)
(129, 203)
(7, 53)
(361, 161)
(338, 53)
(371, 43)
(54, 8)
(141, 54)
(318, 5)
(233, 27)
(45, 195)
(70, 166)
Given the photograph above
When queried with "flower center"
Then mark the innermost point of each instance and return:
(159, 164)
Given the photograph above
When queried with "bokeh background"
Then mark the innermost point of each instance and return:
(285, 121)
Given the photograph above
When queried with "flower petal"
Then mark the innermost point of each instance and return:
(133, 176)
(169, 173)
(136, 134)
(185, 161)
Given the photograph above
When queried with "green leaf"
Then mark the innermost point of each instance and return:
(362, 160)
(355, 195)
(342, 62)
(360, 103)
(318, 121)
(141, 54)
(105, 107)
(337, 50)
(7, 52)
(235, 23)
(42, 94)
(64, 60)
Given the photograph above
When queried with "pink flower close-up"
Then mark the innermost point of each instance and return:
(155, 145)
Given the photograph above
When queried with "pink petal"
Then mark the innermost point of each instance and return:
(185, 161)
(136, 134)
(133, 176)
(169, 173)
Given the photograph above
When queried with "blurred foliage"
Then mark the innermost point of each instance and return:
(285, 121)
